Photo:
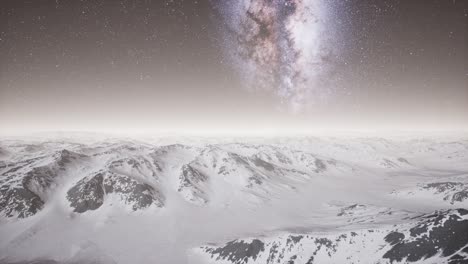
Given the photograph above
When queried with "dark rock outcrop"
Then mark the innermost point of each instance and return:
(442, 236)
(87, 194)
(238, 251)
(23, 185)
(19, 202)
(139, 195)
(453, 191)
(444, 232)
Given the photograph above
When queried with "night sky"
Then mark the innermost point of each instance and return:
(237, 65)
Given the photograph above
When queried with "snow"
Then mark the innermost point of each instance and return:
(254, 187)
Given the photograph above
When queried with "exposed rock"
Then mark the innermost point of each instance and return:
(87, 194)
(444, 232)
(40, 179)
(442, 235)
(238, 251)
(19, 202)
(24, 186)
(453, 191)
(403, 160)
(320, 166)
(441, 187)
(263, 164)
(388, 164)
(349, 210)
(190, 180)
(394, 238)
(139, 195)
(460, 196)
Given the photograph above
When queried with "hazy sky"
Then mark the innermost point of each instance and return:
(234, 65)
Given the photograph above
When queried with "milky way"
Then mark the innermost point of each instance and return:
(281, 46)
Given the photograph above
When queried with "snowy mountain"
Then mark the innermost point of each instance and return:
(437, 238)
(254, 200)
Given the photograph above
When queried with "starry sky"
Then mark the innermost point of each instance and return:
(237, 65)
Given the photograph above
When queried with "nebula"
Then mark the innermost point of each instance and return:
(280, 46)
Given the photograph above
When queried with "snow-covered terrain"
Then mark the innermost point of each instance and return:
(234, 200)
